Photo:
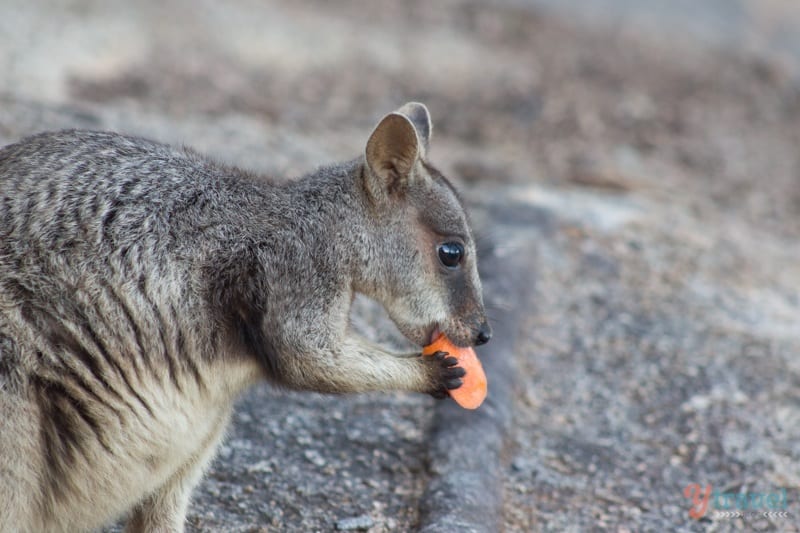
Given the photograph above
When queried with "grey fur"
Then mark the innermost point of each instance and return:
(143, 287)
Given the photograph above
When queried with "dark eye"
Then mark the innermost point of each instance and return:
(451, 254)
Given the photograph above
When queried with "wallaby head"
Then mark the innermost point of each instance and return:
(423, 259)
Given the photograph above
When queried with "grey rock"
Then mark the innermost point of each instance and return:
(355, 523)
(659, 344)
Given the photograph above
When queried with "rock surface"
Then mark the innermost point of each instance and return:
(647, 181)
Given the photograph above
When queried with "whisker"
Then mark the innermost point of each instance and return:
(494, 306)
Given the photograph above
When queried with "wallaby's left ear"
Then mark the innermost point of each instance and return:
(421, 118)
(391, 155)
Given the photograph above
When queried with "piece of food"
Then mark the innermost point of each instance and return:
(472, 393)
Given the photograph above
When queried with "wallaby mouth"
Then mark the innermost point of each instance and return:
(434, 334)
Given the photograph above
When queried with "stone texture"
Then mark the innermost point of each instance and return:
(644, 181)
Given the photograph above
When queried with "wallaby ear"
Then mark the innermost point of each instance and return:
(421, 118)
(392, 151)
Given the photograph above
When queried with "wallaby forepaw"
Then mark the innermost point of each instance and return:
(447, 374)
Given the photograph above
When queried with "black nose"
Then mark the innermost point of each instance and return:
(484, 334)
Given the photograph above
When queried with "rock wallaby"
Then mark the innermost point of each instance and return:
(144, 287)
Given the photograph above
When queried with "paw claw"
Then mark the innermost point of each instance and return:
(448, 375)
(453, 383)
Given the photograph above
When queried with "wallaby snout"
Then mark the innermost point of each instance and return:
(484, 334)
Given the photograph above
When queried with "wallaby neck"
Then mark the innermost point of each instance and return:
(331, 212)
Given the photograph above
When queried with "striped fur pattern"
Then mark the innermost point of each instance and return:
(143, 287)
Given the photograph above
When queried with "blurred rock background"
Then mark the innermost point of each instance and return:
(639, 157)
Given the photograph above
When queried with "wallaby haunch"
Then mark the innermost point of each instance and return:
(143, 288)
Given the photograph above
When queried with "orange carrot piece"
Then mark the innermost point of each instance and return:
(471, 394)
